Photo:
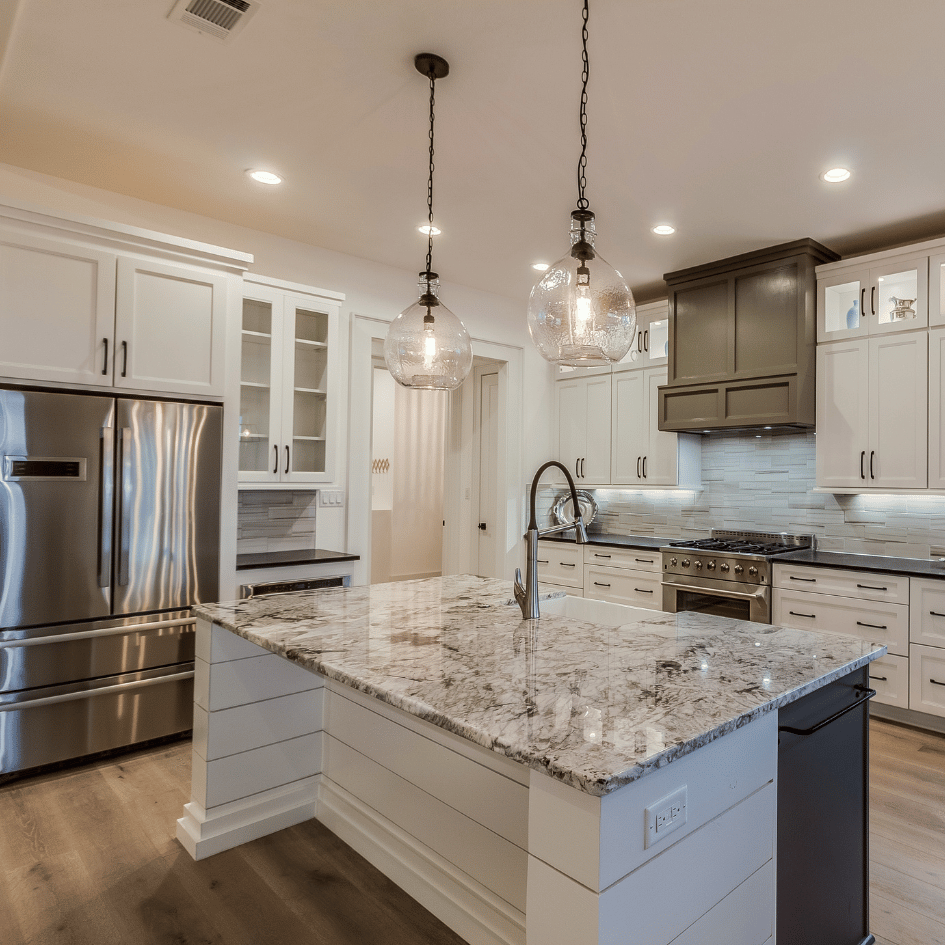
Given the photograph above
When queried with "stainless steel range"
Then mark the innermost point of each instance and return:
(728, 574)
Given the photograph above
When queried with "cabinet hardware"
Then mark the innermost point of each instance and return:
(872, 454)
(644, 467)
(862, 457)
(807, 580)
(644, 560)
(598, 584)
(865, 696)
(542, 560)
(596, 555)
(583, 474)
(937, 683)
(287, 460)
(638, 467)
(482, 526)
(565, 564)
(646, 341)
(275, 461)
(105, 362)
(794, 613)
(872, 300)
(871, 587)
(872, 626)
(577, 463)
(124, 362)
(642, 590)
(935, 613)
(879, 678)
(863, 302)
(639, 341)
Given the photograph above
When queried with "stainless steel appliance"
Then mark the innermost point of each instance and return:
(109, 531)
(728, 574)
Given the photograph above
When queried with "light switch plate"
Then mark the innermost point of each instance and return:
(665, 816)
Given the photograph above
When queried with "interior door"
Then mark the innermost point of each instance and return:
(488, 448)
(168, 505)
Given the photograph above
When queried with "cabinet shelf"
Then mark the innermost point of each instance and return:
(254, 384)
(256, 334)
(254, 436)
(311, 344)
(311, 439)
(310, 390)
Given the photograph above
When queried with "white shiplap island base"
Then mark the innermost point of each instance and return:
(499, 769)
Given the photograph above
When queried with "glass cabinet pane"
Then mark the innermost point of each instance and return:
(657, 341)
(310, 394)
(897, 294)
(842, 306)
(255, 454)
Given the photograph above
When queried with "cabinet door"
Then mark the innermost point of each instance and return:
(936, 413)
(629, 427)
(595, 467)
(842, 414)
(898, 411)
(57, 311)
(170, 325)
(843, 305)
(662, 452)
(260, 385)
(937, 290)
(572, 434)
(898, 296)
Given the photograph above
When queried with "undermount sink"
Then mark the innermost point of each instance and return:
(601, 612)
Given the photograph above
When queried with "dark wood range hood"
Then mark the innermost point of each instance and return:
(742, 337)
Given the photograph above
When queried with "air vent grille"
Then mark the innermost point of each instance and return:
(221, 19)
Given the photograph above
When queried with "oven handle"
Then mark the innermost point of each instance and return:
(865, 695)
(757, 594)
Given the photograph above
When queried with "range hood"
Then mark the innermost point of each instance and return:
(742, 338)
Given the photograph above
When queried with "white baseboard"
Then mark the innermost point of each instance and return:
(206, 832)
(457, 900)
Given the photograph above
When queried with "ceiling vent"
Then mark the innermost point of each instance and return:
(221, 19)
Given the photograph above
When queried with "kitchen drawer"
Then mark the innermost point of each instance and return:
(874, 622)
(927, 612)
(560, 563)
(865, 585)
(889, 676)
(634, 558)
(927, 679)
(623, 586)
(545, 586)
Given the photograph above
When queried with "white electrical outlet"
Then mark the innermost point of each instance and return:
(665, 816)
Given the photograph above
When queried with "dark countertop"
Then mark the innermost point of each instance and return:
(282, 559)
(645, 542)
(910, 567)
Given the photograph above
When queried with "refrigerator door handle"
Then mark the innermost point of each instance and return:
(124, 505)
(106, 504)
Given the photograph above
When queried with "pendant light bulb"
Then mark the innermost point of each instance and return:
(427, 346)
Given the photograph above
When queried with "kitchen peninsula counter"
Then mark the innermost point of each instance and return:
(498, 769)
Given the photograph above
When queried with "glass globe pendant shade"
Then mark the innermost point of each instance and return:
(427, 347)
(581, 312)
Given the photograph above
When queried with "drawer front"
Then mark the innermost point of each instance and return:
(560, 563)
(633, 558)
(927, 679)
(874, 622)
(927, 612)
(571, 591)
(889, 676)
(623, 586)
(865, 585)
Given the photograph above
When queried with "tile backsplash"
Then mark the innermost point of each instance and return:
(271, 520)
(764, 484)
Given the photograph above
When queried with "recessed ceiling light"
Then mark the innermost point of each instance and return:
(541, 267)
(836, 174)
(664, 229)
(265, 177)
(426, 229)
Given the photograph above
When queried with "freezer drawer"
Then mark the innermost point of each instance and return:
(52, 656)
(45, 726)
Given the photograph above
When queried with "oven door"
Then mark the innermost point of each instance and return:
(723, 598)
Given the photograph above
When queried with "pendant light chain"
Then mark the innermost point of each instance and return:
(430, 180)
(582, 163)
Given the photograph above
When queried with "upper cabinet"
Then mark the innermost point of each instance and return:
(884, 294)
(583, 405)
(288, 383)
(82, 304)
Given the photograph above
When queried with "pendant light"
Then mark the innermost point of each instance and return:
(581, 312)
(427, 346)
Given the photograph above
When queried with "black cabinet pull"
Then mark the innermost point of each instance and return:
(639, 341)
(644, 560)
(542, 560)
(646, 341)
(642, 590)
(794, 613)
(872, 454)
(598, 555)
(564, 564)
(807, 580)
(863, 302)
(638, 467)
(872, 626)
(871, 587)
(287, 460)
(275, 461)
(124, 362)
(577, 463)
(862, 457)
(105, 361)
(866, 695)
(598, 584)
(872, 299)
(935, 613)
(937, 683)
(879, 678)
(644, 467)
(583, 461)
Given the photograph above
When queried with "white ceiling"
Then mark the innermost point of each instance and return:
(717, 116)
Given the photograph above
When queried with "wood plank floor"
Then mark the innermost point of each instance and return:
(88, 855)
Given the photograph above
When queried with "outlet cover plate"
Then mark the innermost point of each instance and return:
(665, 816)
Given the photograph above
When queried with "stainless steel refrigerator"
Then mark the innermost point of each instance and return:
(109, 531)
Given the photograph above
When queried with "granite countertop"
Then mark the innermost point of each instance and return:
(281, 559)
(644, 542)
(595, 707)
(911, 567)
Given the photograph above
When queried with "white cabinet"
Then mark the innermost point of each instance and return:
(872, 409)
(882, 293)
(583, 408)
(936, 413)
(288, 383)
(927, 650)
(561, 563)
(623, 576)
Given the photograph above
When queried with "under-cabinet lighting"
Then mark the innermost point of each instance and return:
(836, 174)
(265, 177)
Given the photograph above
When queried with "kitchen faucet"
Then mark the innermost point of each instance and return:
(527, 594)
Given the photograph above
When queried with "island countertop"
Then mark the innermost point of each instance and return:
(595, 707)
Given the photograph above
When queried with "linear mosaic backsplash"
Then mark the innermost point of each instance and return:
(764, 484)
(275, 520)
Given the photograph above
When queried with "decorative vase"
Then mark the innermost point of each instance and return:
(853, 315)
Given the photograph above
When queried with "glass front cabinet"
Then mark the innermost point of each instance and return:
(288, 388)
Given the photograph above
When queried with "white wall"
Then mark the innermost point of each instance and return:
(370, 288)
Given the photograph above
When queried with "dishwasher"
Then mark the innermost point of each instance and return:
(823, 816)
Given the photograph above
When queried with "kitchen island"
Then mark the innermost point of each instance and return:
(537, 782)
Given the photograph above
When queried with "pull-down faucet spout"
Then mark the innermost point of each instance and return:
(527, 594)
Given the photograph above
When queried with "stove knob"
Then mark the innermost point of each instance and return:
(710, 566)
(698, 565)
(752, 571)
(723, 567)
(738, 569)
(672, 561)
(685, 562)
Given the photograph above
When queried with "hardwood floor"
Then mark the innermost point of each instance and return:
(88, 855)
